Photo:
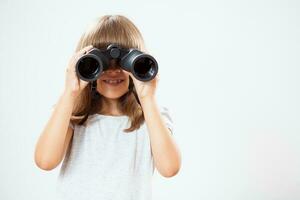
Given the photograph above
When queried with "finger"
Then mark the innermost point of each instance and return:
(72, 63)
(78, 55)
(81, 52)
(128, 73)
(157, 77)
(83, 83)
(85, 49)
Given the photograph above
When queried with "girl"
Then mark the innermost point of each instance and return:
(110, 140)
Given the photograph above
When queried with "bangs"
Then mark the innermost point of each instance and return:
(112, 29)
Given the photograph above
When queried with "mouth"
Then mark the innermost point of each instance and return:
(113, 82)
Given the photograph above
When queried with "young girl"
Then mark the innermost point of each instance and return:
(110, 143)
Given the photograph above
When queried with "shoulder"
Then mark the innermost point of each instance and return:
(74, 124)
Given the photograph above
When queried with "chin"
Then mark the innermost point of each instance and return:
(112, 95)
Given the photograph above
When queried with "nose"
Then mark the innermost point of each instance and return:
(113, 67)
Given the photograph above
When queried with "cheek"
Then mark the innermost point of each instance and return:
(126, 82)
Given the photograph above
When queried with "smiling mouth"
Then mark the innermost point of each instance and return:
(113, 82)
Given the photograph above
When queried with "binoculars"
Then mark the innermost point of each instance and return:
(142, 66)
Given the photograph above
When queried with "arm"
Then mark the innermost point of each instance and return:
(55, 138)
(165, 152)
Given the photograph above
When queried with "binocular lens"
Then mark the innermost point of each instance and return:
(88, 67)
(145, 68)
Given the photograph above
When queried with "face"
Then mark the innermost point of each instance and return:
(113, 82)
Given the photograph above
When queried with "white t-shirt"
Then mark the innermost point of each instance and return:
(106, 163)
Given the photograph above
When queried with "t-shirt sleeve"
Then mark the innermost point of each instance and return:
(166, 115)
(71, 125)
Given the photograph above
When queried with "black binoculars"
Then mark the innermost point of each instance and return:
(142, 66)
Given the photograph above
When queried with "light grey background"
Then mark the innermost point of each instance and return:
(229, 72)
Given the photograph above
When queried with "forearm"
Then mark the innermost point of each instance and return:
(50, 146)
(165, 152)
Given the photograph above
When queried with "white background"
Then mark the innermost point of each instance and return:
(229, 73)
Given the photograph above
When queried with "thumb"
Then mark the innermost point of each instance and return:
(83, 83)
(130, 75)
(127, 73)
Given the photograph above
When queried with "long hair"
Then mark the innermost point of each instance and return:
(106, 30)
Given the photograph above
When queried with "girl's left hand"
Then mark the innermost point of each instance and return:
(144, 90)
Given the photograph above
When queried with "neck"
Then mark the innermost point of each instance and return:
(110, 107)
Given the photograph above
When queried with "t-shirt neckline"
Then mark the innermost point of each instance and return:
(110, 116)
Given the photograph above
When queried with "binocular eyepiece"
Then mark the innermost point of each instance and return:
(142, 66)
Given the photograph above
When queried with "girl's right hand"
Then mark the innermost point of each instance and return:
(74, 85)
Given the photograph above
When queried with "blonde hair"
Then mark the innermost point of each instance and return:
(106, 30)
